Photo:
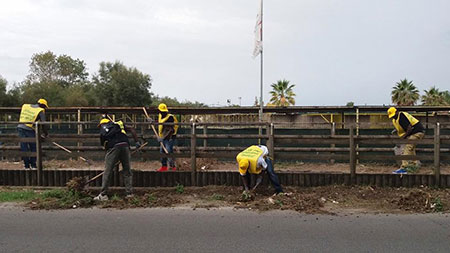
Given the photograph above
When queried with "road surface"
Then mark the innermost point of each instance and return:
(218, 230)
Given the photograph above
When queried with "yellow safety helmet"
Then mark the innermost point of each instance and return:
(104, 121)
(163, 107)
(391, 112)
(243, 166)
(43, 102)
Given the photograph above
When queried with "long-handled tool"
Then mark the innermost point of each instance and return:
(100, 174)
(154, 130)
(70, 152)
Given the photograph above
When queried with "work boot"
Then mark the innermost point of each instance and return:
(173, 168)
(101, 197)
(163, 168)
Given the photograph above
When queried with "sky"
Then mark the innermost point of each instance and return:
(334, 51)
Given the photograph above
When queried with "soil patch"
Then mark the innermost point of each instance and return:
(321, 200)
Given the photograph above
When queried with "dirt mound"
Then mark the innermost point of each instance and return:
(416, 200)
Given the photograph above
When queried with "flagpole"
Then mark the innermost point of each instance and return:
(261, 84)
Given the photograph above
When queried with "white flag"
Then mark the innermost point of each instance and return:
(258, 32)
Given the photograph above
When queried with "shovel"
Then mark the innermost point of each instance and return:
(154, 130)
(70, 152)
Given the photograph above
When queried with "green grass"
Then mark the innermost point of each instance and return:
(151, 198)
(17, 196)
(179, 188)
(115, 197)
(439, 207)
(56, 193)
(216, 196)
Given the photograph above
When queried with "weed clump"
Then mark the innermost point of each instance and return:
(179, 188)
(76, 184)
(61, 199)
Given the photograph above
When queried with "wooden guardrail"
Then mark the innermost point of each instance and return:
(330, 148)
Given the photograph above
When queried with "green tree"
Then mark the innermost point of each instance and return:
(433, 97)
(51, 91)
(55, 78)
(282, 93)
(404, 93)
(79, 95)
(8, 97)
(117, 85)
(63, 69)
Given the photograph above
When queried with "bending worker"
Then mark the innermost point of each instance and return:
(410, 128)
(167, 136)
(255, 160)
(29, 114)
(113, 138)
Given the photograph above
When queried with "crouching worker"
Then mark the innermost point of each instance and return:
(407, 127)
(113, 138)
(255, 160)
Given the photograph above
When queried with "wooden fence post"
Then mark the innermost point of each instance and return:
(352, 155)
(193, 155)
(205, 132)
(437, 147)
(80, 127)
(38, 154)
(333, 134)
(270, 140)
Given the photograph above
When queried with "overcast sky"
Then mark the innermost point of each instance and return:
(334, 51)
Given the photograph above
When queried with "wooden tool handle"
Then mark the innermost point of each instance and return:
(154, 131)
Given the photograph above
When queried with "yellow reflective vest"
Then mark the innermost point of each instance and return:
(162, 120)
(122, 128)
(252, 154)
(29, 114)
(396, 122)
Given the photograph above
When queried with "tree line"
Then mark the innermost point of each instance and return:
(65, 81)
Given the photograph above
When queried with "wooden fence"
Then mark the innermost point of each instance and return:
(349, 148)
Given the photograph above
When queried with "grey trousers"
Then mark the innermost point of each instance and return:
(112, 156)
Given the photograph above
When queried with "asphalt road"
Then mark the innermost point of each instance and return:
(224, 230)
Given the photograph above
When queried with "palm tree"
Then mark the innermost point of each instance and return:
(446, 95)
(282, 94)
(405, 93)
(433, 97)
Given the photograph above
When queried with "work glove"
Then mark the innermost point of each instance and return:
(394, 131)
(150, 120)
(159, 139)
(138, 144)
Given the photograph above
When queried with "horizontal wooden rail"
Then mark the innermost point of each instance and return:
(59, 178)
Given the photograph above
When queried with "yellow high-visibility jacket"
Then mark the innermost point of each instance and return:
(252, 154)
(396, 122)
(29, 114)
(162, 120)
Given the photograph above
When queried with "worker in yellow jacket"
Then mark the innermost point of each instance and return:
(29, 114)
(167, 135)
(255, 160)
(407, 127)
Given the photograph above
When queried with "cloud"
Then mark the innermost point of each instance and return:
(334, 51)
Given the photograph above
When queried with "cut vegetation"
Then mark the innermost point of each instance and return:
(323, 200)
